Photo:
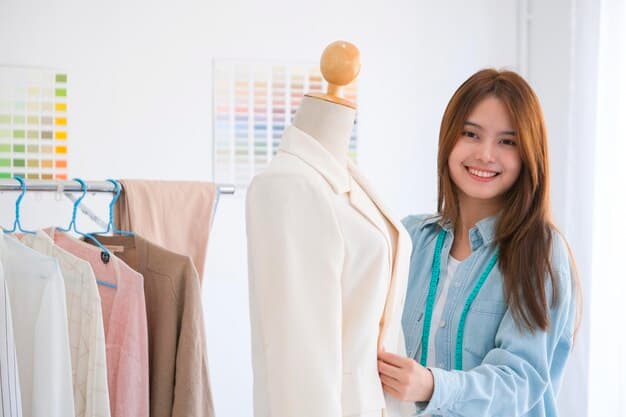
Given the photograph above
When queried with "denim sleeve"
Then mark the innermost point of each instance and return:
(513, 376)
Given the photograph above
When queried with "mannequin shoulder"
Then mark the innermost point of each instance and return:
(287, 189)
(287, 173)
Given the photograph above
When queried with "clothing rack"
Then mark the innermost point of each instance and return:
(73, 186)
(68, 187)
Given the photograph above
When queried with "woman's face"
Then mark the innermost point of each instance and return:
(485, 161)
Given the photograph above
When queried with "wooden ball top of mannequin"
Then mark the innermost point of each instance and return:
(340, 63)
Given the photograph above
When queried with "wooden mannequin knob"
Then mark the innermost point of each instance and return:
(340, 64)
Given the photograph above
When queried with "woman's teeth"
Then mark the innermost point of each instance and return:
(483, 174)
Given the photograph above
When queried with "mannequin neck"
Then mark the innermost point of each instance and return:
(329, 123)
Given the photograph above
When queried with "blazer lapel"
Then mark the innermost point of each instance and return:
(363, 204)
(399, 272)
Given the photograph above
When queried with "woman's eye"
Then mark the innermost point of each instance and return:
(508, 142)
(470, 134)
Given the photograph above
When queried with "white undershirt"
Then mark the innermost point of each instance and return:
(436, 322)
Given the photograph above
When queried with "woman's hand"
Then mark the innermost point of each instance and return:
(405, 379)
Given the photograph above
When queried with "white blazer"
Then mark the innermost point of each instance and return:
(325, 290)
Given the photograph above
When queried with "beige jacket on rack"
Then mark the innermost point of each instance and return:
(179, 370)
(326, 288)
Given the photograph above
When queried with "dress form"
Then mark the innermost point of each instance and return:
(326, 283)
(329, 117)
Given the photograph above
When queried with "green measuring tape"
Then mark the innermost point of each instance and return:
(430, 301)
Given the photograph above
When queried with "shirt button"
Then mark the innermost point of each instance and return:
(440, 365)
(442, 323)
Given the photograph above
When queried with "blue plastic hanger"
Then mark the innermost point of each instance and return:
(111, 226)
(106, 254)
(17, 225)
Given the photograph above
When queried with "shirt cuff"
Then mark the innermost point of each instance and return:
(445, 393)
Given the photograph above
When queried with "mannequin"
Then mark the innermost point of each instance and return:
(328, 267)
(329, 118)
(327, 122)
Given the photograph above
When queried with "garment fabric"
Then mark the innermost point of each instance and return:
(37, 296)
(85, 326)
(326, 291)
(176, 215)
(10, 395)
(179, 374)
(125, 327)
(506, 371)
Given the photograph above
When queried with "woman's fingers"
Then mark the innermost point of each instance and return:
(394, 393)
(391, 383)
(393, 359)
(389, 370)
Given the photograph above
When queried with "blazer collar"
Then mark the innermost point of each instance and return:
(305, 147)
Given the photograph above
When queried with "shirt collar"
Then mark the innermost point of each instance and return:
(40, 241)
(300, 144)
(436, 218)
(486, 228)
(483, 233)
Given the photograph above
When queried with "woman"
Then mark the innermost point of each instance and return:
(491, 307)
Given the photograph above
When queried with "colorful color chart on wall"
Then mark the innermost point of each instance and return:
(33, 123)
(253, 103)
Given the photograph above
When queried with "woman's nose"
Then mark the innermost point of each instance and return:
(485, 151)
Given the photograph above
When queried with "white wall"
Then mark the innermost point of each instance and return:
(140, 97)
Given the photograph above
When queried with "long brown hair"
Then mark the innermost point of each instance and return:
(524, 230)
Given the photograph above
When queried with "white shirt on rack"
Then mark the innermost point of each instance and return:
(37, 297)
(86, 329)
(10, 397)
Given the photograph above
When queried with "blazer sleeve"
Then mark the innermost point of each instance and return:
(192, 391)
(295, 257)
(132, 397)
(53, 394)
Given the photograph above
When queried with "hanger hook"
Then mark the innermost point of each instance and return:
(118, 191)
(17, 225)
(18, 202)
(72, 225)
(118, 187)
(106, 254)
(111, 225)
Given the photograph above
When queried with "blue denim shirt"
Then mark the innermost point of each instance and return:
(506, 371)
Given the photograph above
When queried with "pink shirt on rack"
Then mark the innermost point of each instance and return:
(125, 327)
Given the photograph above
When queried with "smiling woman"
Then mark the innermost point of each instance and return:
(491, 305)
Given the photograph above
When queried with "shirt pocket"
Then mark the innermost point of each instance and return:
(412, 325)
(481, 326)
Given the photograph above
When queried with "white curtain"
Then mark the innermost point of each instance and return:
(607, 366)
(573, 181)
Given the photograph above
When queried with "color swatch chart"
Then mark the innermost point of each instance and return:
(253, 103)
(33, 123)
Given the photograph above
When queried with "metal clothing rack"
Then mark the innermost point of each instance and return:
(68, 187)
(73, 186)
